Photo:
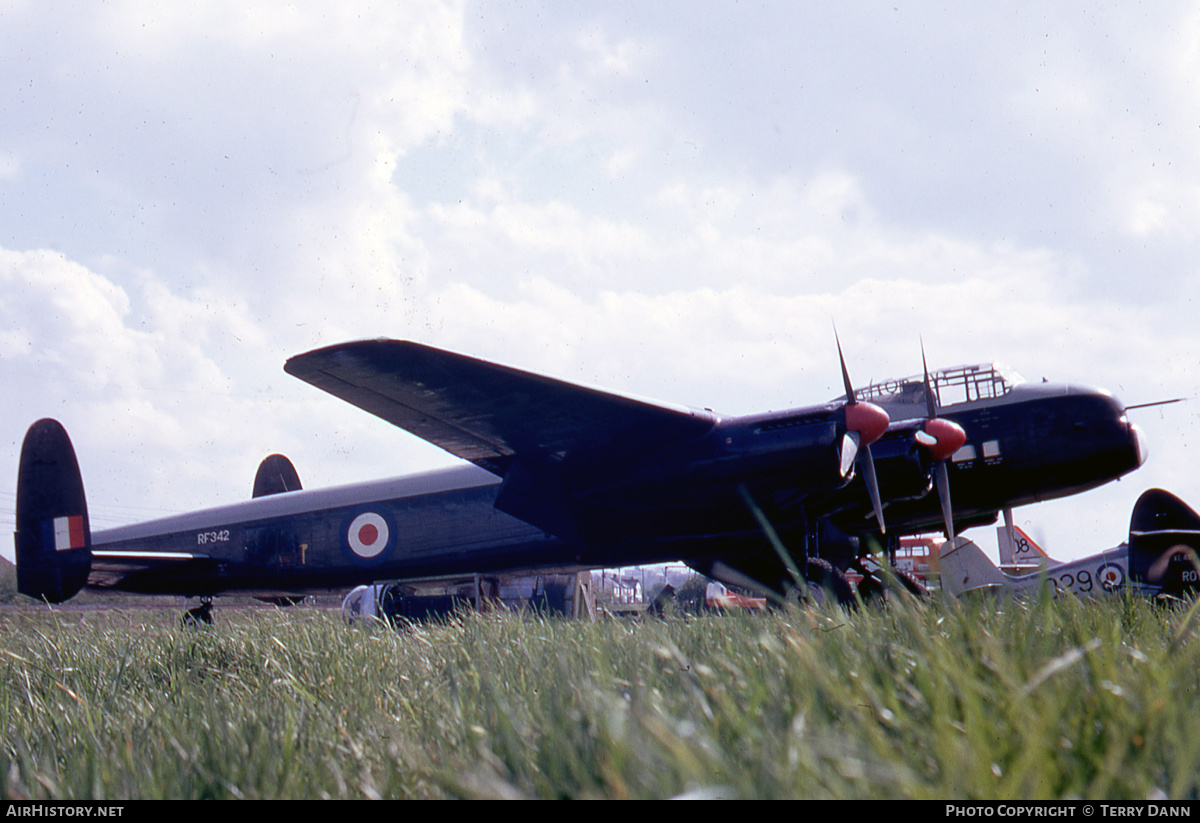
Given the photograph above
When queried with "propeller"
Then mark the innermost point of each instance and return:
(941, 438)
(865, 423)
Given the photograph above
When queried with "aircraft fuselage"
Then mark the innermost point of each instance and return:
(1043, 443)
(430, 525)
(567, 477)
(1038, 442)
(1034, 446)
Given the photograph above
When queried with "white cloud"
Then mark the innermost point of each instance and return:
(142, 379)
(677, 208)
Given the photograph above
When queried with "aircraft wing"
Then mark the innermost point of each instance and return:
(487, 413)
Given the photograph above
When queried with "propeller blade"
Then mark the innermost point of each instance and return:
(849, 452)
(930, 404)
(873, 489)
(943, 486)
(845, 372)
(867, 419)
(947, 437)
(865, 423)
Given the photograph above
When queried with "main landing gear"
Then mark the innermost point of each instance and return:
(878, 584)
(824, 582)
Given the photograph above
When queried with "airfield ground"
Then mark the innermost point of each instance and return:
(978, 700)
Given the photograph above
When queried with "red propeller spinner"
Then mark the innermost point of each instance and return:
(865, 423)
(941, 437)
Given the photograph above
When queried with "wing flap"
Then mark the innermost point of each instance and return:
(141, 571)
(487, 413)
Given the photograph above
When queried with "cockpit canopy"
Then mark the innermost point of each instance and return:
(951, 387)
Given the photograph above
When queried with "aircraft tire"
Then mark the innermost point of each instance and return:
(871, 590)
(824, 581)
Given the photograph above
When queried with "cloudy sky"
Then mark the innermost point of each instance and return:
(669, 199)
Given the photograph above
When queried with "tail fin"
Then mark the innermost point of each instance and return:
(1164, 536)
(1023, 553)
(964, 566)
(276, 475)
(53, 537)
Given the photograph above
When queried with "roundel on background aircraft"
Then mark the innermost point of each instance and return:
(1111, 576)
(368, 535)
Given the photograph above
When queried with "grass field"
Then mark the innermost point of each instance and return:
(976, 700)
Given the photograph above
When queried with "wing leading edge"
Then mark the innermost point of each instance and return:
(487, 413)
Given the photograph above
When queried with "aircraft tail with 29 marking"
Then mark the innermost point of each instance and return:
(1161, 559)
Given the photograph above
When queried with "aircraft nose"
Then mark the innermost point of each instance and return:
(1136, 439)
(1123, 441)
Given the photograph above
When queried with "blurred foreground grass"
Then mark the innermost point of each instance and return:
(979, 700)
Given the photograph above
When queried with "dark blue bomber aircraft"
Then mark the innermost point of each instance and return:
(563, 477)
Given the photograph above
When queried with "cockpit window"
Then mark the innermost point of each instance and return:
(958, 384)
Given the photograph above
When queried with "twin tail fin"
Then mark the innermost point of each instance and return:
(53, 537)
(1164, 538)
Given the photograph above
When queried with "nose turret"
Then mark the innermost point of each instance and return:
(1047, 441)
(1139, 443)
(1103, 428)
(1135, 439)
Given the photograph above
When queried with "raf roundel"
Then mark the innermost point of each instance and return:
(1111, 576)
(367, 535)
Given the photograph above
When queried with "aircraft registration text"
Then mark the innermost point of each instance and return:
(204, 538)
(1108, 577)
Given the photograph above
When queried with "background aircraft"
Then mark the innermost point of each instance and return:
(569, 477)
(1020, 553)
(1159, 559)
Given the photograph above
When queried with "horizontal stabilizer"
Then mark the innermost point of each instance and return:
(964, 566)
